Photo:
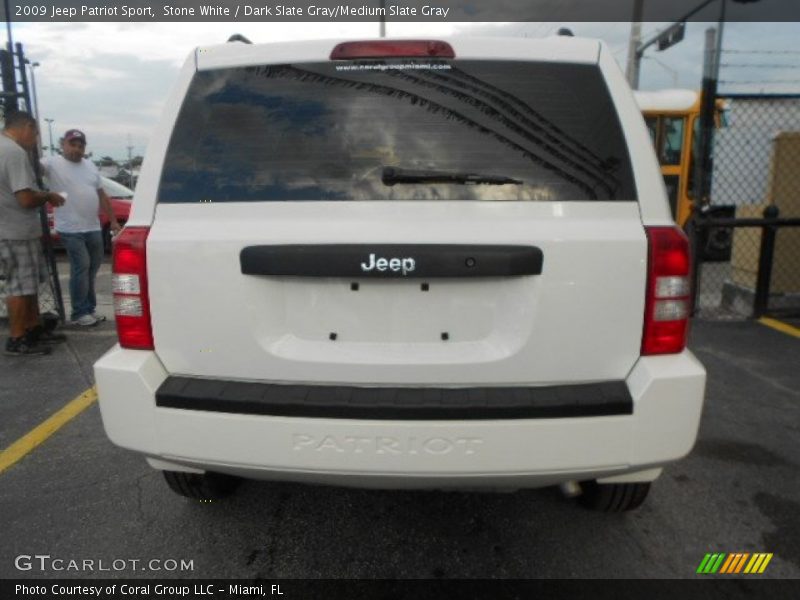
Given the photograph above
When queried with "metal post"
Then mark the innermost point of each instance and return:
(9, 41)
(765, 258)
(50, 256)
(720, 28)
(10, 101)
(634, 55)
(33, 66)
(703, 161)
(50, 129)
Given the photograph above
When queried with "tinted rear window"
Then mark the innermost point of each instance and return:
(473, 130)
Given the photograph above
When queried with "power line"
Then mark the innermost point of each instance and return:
(760, 65)
(758, 82)
(761, 51)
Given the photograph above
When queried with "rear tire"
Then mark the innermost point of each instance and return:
(613, 497)
(201, 486)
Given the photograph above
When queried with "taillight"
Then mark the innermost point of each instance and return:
(392, 48)
(668, 302)
(129, 286)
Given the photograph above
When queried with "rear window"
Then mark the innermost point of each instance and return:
(398, 130)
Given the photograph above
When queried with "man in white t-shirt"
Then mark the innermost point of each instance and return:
(77, 222)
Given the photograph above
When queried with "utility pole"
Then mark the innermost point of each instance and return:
(718, 45)
(670, 36)
(632, 72)
(665, 39)
(8, 27)
(50, 129)
(703, 160)
(10, 103)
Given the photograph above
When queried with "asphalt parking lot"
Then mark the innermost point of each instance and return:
(76, 496)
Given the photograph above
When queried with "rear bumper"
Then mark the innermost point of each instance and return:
(392, 403)
(664, 392)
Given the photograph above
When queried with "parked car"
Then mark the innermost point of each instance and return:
(121, 198)
(403, 264)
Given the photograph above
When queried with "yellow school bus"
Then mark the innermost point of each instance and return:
(672, 117)
(673, 120)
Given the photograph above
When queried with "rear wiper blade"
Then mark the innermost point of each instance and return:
(393, 175)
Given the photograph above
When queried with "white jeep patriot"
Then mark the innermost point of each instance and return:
(403, 264)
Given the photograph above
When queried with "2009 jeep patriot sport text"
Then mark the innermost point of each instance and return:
(403, 263)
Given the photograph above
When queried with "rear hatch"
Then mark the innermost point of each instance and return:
(398, 220)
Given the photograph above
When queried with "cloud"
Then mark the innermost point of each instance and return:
(112, 79)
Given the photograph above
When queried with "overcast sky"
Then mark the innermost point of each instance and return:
(112, 79)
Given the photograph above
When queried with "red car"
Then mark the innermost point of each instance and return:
(121, 198)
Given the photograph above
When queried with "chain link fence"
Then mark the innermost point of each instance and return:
(756, 168)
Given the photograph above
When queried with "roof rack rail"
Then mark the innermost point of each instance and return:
(238, 37)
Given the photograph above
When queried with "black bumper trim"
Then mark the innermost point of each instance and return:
(347, 402)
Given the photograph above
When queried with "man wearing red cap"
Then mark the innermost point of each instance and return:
(77, 222)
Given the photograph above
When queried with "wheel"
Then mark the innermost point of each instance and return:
(201, 486)
(613, 497)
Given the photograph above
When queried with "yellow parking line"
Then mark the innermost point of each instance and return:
(24, 445)
(780, 326)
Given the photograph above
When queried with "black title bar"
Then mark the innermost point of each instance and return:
(443, 11)
(739, 588)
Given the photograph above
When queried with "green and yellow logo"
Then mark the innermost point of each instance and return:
(732, 564)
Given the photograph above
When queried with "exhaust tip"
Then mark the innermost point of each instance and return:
(570, 489)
